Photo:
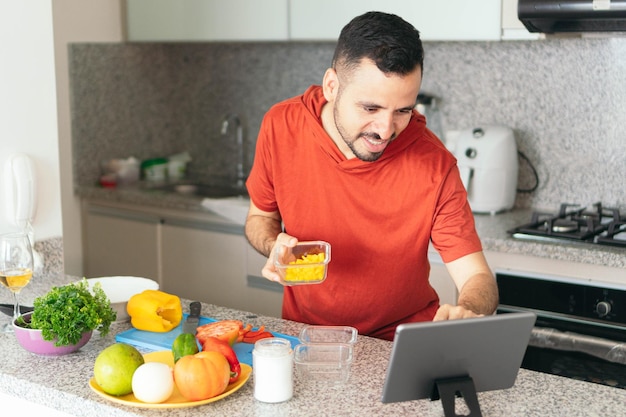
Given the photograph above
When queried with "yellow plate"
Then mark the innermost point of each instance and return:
(176, 400)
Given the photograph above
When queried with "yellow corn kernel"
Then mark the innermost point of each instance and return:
(306, 273)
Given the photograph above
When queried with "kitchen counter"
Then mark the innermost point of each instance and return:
(61, 383)
(492, 229)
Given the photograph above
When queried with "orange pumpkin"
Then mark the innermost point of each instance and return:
(201, 376)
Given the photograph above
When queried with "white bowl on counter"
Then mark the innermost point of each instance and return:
(119, 290)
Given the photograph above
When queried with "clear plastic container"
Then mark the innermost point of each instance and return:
(327, 363)
(328, 334)
(305, 263)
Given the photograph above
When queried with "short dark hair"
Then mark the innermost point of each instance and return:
(392, 43)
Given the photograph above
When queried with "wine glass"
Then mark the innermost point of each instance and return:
(16, 267)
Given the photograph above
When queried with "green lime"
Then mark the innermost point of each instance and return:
(115, 366)
(184, 344)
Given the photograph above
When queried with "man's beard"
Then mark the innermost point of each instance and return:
(365, 156)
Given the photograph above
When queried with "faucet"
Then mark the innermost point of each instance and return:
(226, 122)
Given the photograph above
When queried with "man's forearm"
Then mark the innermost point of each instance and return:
(261, 232)
(479, 294)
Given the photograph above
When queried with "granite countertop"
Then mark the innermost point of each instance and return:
(61, 383)
(492, 229)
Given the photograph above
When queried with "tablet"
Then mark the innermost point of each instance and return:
(488, 350)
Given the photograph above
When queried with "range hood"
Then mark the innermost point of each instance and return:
(559, 16)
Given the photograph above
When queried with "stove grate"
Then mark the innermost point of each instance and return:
(576, 223)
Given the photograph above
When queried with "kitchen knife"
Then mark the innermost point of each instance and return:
(191, 323)
(8, 309)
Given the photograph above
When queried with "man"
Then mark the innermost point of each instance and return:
(352, 163)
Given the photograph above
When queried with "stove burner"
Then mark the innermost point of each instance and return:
(575, 223)
(564, 226)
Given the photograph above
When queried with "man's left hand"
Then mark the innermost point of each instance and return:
(450, 312)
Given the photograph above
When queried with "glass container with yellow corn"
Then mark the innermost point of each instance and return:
(305, 263)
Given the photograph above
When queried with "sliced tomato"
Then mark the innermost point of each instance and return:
(226, 330)
(252, 337)
(243, 332)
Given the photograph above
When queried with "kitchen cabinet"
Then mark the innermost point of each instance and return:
(209, 265)
(118, 242)
(203, 264)
(268, 292)
(441, 20)
(194, 257)
(441, 280)
(320, 20)
(206, 20)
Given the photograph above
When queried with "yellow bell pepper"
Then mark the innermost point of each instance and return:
(154, 311)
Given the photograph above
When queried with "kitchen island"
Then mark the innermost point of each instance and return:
(61, 383)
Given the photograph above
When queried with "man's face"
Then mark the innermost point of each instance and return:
(369, 108)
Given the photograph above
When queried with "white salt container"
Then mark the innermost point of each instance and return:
(272, 367)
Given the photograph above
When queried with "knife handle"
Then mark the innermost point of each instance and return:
(194, 309)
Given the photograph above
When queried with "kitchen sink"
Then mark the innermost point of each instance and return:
(203, 190)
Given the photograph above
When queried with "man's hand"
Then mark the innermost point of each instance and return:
(283, 240)
(450, 312)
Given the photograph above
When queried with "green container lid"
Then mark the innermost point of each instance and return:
(152, 162)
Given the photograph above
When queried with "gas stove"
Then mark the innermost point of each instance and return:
(575, 223)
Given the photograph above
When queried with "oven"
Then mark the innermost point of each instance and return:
(580, 330)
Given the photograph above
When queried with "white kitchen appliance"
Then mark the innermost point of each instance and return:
(487, 160)
(20, 190)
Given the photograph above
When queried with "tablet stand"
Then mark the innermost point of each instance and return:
(449, 388)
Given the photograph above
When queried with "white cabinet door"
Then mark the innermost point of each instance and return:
(441, 280)
(440, 20)
(264, 295)
(194, 259)
(211, 266)
(120, 243)
(206, 20)
(203, 265)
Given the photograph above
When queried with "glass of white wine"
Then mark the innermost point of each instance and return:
(16, 267)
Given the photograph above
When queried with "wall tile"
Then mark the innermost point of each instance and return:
(564, 98)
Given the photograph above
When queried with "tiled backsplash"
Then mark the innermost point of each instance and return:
(564, 98)
(51, 252)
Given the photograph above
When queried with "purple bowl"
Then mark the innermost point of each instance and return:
(33, 341)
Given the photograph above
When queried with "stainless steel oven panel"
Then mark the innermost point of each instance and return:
(551, 316)
(564, 298)
(568, 341)
(592, 281)
(580, 330)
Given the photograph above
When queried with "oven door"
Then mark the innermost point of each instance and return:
(579, 332)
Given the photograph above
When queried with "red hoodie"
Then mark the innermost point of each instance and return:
(379, 217)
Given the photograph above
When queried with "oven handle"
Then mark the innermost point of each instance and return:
(608, 350)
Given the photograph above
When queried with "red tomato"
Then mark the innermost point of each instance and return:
(226, 330)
